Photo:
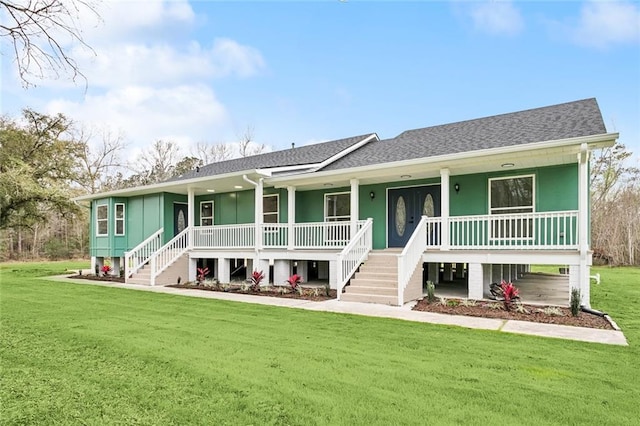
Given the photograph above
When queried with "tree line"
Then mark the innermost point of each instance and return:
(46, 160)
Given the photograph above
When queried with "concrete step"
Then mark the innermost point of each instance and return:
(380, 291)
(377, 283)
(374, 275)
(370, 298)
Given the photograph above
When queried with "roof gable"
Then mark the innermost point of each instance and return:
(304, 155)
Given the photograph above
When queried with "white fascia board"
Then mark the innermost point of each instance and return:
(593, 142)
(159, 187)
(347, 151)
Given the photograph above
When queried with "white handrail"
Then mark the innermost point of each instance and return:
(168, 253)
(410, 257)
(356, 252)
(137, 257)
(224, 236)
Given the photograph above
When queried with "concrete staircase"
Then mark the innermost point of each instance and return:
(376, 281)
(179, 268)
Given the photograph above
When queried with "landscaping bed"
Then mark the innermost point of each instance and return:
(316, 294)
(107, 278)
(520, 312)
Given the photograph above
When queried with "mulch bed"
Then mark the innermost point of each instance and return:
(313, 294)
(533, 314)
(108, 278)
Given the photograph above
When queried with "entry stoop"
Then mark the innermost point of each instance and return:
(376, 281)
(179, 268)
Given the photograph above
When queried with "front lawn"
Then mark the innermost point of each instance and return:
(82, 354)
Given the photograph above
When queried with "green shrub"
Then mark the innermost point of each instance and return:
(575, 301)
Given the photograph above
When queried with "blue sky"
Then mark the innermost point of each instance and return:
(303, 72)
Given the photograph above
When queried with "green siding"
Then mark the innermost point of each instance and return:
(310, 204)
(234, 207)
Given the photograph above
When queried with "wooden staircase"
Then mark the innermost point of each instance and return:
(376, 281)
(179, 268)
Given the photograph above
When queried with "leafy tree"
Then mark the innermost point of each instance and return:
(37, 164)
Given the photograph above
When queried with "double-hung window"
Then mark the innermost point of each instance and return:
(270, 208)
(102, 220)
(119, 219)
(337, 208)
(206, 213)
(510, 197)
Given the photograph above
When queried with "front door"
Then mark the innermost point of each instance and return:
(405, 208)
(180, 220)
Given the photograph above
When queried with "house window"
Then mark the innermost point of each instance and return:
(102, 220)
(512, 196)
(119, 218)
(270, 205)
(337, 207)
(206, 213)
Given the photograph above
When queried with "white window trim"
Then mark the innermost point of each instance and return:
(326, 217)
(212, 217)
(98, 234)
(505, 211)
(115, 219)
(277, 212)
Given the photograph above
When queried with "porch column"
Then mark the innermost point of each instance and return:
(281, 271)
(444, 209)
(193, 270)
(291, 216)
(224, 270)
(476, 281)
(259, 217)
(191, 207)
(583, 223)
(355, 214)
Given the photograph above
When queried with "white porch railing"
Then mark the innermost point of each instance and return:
(518, 231)
(223, 236)
(323, 235)
(354, 254)
(275, 235)
(168, 253)
(137, 257)
(411, 255)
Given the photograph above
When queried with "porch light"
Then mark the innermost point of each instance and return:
(507, 165)
(211, 190)
(237, 186)
(456, 187)
(372, 195)
(328, 184)
(405, 176)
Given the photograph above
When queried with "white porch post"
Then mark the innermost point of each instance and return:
(191, 209)
(259, 219)
(291, 216)
(583, 222)
(444, 209)
(355, 214)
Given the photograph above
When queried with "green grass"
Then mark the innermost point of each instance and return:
(82, 354)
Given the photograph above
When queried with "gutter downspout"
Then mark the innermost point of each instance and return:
(583, 223)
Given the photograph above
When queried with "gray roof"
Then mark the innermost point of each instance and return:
(309, 154)
(572, 119)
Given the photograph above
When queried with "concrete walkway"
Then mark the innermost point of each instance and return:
(609, 337)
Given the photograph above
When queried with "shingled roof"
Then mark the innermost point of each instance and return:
(568, 120)
(309, 154)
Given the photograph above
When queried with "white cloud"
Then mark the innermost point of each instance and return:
(183, 113)
(127, 64)
(497, 17)
(602, 24)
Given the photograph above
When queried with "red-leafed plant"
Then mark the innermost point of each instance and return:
(202, 274)
(510, 293)
(106, 269)
(294, 281)
(256, 279)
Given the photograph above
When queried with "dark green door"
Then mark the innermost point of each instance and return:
(405, 207)
(180, 218)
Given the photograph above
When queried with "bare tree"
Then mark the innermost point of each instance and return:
(39, 31)
(212, 153)
(246, 146)
(157, 163)
(99, 160)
